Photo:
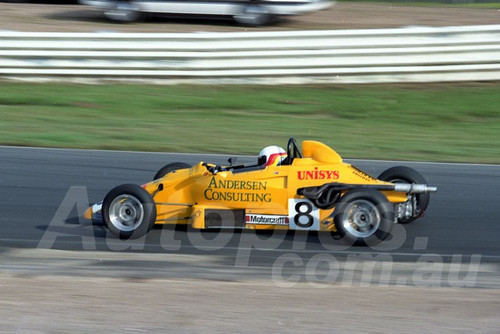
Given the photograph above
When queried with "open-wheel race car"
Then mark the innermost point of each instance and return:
(310, 190)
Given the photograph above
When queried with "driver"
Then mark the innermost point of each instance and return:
(271, 156)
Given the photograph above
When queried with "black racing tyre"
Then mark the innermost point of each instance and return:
(363, 217)
(403, 174)
(123, 11)
(128, 211)
(253, 15)
(170, 168)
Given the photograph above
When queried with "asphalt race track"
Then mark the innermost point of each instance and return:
(44, 191)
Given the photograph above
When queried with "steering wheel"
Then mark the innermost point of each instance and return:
(214, 169)
(292, 151)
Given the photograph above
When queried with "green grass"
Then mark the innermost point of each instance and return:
(412, 122)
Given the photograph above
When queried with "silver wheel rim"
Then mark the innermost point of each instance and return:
(361, 218)
(126, 213)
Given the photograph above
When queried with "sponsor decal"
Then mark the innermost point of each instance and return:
(303, 214)
(361, 174)
(237, 184)
(318, 174)
(217, 191)
(266, 219)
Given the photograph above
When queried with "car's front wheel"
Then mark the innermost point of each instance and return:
(128, 211)
(363, 217)
(170, 168)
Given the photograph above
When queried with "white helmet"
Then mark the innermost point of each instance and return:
(271, 156)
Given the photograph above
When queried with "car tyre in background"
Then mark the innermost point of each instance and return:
(128, 211)
(170, 168)
(363, 217)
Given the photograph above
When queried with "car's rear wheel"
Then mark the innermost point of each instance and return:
(128, 211)
(123, 11)
(363, 217)
(402, 174)
(253, 15)
(170, 168)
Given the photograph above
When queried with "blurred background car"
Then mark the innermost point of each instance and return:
(245, 12)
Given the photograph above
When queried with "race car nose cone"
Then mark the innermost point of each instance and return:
(88, 214)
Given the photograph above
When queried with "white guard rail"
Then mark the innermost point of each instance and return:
(413, 54)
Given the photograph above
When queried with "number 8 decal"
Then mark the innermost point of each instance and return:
(303, 215)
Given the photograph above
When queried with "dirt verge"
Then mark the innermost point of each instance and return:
(53, 304)
(75, 18)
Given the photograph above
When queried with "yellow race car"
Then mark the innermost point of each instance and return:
(310, 190)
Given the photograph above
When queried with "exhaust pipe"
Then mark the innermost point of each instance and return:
(414, 188)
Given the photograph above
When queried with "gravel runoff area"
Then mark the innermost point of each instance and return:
(50, 291)
(77, 18)
(61, 303)
(55, 304)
